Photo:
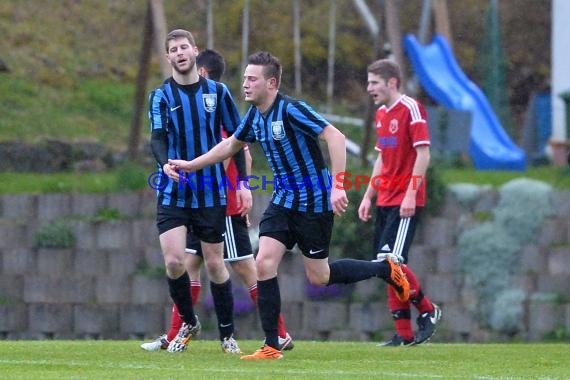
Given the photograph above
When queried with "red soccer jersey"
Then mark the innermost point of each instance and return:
(232, 175)
(400, 129)
(231, 185)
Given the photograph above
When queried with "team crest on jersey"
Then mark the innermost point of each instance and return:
(210, 101)
(393, 126)
(277, 130)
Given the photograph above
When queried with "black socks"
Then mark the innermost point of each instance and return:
(180, 292)
(224, 307)
(348, 271)
(269, 304)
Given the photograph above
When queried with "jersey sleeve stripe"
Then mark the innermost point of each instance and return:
(423, 142)
(414, 108)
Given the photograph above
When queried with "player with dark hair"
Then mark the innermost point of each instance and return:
(237, 246)
(187, 113)
(211, 64)
(304, 199)
(403, 146)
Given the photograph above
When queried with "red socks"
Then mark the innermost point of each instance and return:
(401, 310)
(420, 300)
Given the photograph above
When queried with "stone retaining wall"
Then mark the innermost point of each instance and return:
(110, 284)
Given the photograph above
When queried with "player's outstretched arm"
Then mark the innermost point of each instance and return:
(220, 152)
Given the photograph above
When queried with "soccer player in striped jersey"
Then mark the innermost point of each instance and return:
(306, 195)
(399, 185)
(186, 116)
(238, 251)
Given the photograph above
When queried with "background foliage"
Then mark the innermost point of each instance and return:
(72, 63)
(56, 234)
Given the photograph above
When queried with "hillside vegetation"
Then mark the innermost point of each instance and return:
(71, 68)
(71, 64)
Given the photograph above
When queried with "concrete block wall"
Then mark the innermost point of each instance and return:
(109, 285)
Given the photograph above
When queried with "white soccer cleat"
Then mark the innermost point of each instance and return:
(156, 345)
(230, 346)
(286, 344)
(185, 334)
(397, 259)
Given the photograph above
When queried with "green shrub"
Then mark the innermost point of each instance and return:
(489, 253)
(559, 334)
(131, 176)
(54, 235)
(508, 311)
(436, 190)
(145, 269)
(523, 205)
(107, 215)
(483, 216)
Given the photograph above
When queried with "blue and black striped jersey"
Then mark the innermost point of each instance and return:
(192, 116)
(288, 133)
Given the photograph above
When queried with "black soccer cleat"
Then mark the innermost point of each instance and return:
(427, 323)
(397, 341)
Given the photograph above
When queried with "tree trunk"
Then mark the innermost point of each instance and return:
(331, 56)
(245, 35)
(210, 24)
(374, 27)
(395, 34)
(140, 90)
(442, 20)
(159, 32)
(297, 45)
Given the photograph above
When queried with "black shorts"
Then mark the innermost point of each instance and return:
(237, 245)
(393, 234)
(206, 223)
(311, 231)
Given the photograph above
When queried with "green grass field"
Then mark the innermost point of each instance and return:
(309, 360)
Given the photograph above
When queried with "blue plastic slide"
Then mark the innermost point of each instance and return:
(490, 147)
